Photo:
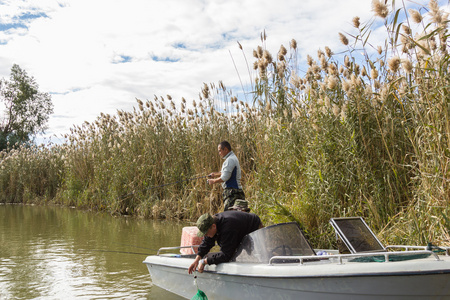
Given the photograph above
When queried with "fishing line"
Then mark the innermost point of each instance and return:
(195, 280)
(200, 294)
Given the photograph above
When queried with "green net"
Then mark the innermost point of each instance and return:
(199, 296)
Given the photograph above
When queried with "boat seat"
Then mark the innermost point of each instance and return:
(357, 237)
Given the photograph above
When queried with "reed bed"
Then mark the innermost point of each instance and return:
(364, 132)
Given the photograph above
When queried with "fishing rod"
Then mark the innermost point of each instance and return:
(188, 179)
(166, 184)
(113, 251)
(135, 246)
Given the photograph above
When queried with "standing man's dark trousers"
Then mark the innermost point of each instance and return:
(230, 195)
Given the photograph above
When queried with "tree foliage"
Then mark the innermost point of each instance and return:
(26, 110)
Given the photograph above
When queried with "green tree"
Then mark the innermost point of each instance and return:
(26, 110)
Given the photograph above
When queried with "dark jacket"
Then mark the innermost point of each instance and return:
(232, 226)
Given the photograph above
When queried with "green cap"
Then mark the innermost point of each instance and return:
(204, 223)
(240, 204)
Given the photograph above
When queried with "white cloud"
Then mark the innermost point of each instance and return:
(99, 55)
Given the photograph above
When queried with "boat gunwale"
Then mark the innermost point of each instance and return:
(330, 258)
(338, 275)
(309, 258)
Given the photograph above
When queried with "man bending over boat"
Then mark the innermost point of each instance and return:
(227, 229)
(229, 176)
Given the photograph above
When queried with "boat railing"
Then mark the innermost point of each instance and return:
(408, 248)
(340, 257)
(177, 248)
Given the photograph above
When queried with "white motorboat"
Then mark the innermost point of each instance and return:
(277, 262)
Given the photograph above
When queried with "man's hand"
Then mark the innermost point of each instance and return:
(194, 265)
(215, 178)
(197, 262)
(201, 266)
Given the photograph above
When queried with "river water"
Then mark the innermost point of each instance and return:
(49, 252)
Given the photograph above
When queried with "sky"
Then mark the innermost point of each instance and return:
(97, 56)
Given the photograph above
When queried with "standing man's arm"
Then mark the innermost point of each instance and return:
(215, 174)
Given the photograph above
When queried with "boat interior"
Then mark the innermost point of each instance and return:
(286, 243)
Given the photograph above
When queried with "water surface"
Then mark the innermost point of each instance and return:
(50, 252)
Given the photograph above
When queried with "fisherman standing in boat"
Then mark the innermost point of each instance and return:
(229, 176)
(227, 229)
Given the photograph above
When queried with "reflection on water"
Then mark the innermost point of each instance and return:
(62, 253)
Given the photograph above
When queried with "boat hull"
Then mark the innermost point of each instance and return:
(424, 279)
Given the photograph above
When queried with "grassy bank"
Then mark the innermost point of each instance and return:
(361, 133)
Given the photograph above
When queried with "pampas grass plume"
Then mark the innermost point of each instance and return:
(380, 9)
(343, 39)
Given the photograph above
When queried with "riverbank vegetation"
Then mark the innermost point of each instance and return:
(360, 133)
